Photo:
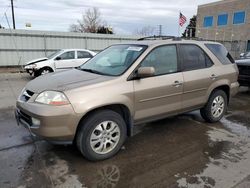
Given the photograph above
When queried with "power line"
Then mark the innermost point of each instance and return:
(4, 13)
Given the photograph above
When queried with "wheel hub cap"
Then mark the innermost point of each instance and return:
(105, 137)
(218, 106)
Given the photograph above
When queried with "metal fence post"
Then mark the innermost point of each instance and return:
(86, 42)
(45, 45)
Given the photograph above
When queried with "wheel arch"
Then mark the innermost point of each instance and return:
(121, 109)
(47, 67)
(224, 88)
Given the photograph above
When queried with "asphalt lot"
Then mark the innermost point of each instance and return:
(181, 151)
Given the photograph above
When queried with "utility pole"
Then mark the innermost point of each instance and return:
(13, 15)
(160, 30)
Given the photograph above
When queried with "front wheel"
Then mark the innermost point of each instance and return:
(101, 135)
(43, 71)
(216, 107)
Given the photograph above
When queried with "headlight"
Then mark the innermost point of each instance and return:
(52, 98)
(32, 66)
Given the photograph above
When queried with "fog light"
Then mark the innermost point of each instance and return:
(35, 122)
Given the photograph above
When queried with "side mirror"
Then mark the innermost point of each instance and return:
(144, 72)
(58, 58)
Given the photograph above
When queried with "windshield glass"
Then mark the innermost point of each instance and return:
(54, 54)
(114, 60)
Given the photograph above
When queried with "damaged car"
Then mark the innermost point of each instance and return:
(59, 60)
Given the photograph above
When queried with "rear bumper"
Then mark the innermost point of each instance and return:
(57, 123)
(234, 88)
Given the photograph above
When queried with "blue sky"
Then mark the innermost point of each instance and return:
(125, 16)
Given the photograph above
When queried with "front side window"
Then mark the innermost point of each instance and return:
(67, 55)
(208, 21)
(114, 60)
(54, 54)
(193, 58)
(221, 53)
(239, 17)
(83, 54)
(222, 19)
(163, 59)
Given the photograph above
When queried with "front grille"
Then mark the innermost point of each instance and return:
(244, 70)
(26, 95)
(23, 116)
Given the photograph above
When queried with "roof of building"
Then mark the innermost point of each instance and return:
(217, 3)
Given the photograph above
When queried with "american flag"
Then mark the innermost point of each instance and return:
(182, 19)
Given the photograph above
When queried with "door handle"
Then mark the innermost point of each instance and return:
(177, 84)
(213, 76)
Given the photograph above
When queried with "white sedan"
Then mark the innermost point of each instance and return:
(60, 60)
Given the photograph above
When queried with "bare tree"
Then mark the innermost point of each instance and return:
(90, 22)
(145, 31)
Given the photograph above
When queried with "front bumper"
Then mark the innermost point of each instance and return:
(58, 124)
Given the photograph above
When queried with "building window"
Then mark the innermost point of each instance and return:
(222, 19)
(208, 21)
(239, 17)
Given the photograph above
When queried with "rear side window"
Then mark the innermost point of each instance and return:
(193, 58)
(221, 53)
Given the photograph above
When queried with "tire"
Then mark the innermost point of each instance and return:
(215, 101)
(43, 71)
(101, 135)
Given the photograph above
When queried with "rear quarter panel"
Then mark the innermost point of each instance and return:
(227, 75)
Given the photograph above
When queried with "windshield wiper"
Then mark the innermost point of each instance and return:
(93, 71)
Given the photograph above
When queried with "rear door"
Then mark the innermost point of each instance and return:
(160, 94)
(66, 60)
(198, 74)
(82, 57)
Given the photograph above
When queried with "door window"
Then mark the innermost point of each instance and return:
(163, 59)
(193, 58)
(83, 54)
(68, 55)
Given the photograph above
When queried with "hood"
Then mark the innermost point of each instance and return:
(243, 62)
(36, 60)
(65, 80)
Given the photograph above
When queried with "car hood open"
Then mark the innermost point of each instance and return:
(64, 80)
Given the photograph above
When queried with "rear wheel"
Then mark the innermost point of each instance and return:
(216, 107)
(101, 135)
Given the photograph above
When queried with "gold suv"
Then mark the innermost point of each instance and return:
(97, 104)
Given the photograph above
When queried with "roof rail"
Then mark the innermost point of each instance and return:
(155, 37)
(193, 38)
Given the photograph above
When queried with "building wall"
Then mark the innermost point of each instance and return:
(20, 46)
(229, 32)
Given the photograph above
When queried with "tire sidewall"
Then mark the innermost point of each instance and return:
(83, 140)
(211, 99)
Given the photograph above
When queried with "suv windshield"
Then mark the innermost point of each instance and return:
(114, 60)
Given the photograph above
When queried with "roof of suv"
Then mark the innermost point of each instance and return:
(169, 41)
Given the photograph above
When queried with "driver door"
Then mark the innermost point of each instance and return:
(65, 60)
(161, 94)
